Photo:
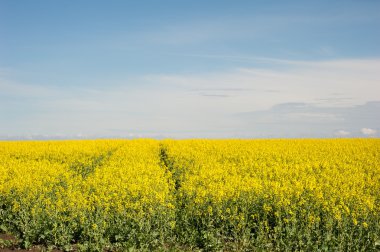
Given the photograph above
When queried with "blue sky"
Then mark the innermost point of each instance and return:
(189, 69)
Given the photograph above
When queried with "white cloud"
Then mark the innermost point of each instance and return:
(368, 131)
(288, 81)
(12, 88)
(342, 133)
(177, 104)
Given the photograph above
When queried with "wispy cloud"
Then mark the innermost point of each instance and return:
(309, 93)
(252, 26)
(215, 95)
(310, 120)
(11, 88)
(356, 82)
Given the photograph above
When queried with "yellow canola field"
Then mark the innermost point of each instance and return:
(291, 194)
(192, 194)
(90, 193)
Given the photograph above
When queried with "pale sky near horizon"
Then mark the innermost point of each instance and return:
(189, 69)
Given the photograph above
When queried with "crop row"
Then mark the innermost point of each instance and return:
(192, 194)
